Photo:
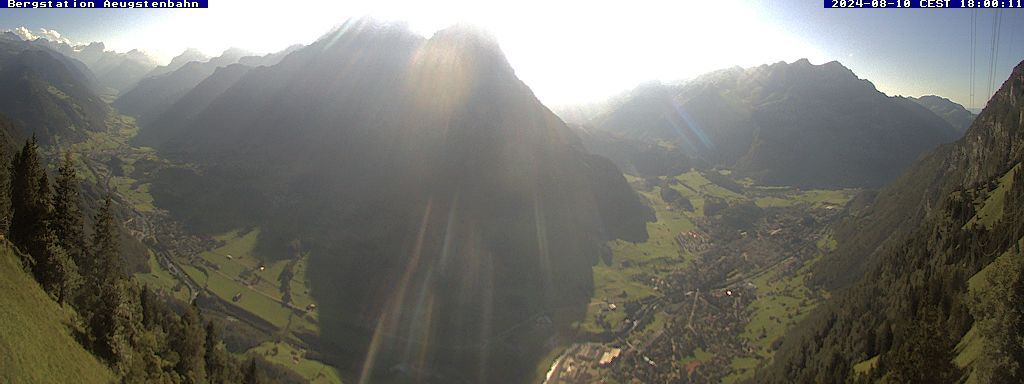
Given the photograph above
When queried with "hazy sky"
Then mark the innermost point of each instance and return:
(578, 51)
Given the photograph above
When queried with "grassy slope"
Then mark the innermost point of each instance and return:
(36, 345)
(970, 346)
(991, 209)
(158, 278)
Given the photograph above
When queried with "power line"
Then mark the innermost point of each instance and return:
(995, 52)
(974, 50)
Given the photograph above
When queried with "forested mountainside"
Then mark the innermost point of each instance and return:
(938, 298)
(69, 294)
(47, 94)
(455, 183)
(783, 124)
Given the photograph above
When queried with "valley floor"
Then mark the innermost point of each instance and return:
(711, 293)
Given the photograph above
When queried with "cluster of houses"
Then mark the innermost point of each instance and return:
(582, 363)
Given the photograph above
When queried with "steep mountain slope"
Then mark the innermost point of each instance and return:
(635, 157)
(954, 114)
(448, 212)
(47, 94)
(35, 343)
(115, 72)
(918, 243)
(189, 105)
(154, 95)
(788, 124)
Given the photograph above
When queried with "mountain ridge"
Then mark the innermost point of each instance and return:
(752, 119)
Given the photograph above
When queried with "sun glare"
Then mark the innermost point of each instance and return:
(558, 48)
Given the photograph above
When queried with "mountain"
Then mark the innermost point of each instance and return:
(954, 114)
(153, 95)
(48, 94)
(783, 124)
(115, 72)
(932, 266)
(191, 104)
(188, 56)
(448, 213)
(270, 58)
(635, 157)
(36, 345)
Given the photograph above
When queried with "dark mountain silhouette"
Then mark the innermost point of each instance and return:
(954, 114)
(417, 172)
(787, 124)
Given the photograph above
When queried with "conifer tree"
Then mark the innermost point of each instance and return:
(218, 368)
(67, 211)
(107, 265)
(26, 215)
(189, 342)
(251, 373)
(5, 195)
(103, 305)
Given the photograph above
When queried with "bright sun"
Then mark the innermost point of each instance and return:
(558, 48)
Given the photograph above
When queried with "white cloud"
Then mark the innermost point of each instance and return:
(48, 34)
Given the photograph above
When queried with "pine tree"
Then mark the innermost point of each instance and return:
(27, 221)
(106, 298)
(5, 195)
(107, 265)
(251, 373)
(59, 274)
(189, 341)
(67, 220)
(218, 369)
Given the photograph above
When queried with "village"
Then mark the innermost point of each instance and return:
(703, 324)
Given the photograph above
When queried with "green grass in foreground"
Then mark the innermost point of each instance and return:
(36, 345)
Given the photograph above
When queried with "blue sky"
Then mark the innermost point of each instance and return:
(579, 51)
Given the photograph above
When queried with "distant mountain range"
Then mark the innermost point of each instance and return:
(782, 124)
(114, 72)
(166, 85)
(954, 114)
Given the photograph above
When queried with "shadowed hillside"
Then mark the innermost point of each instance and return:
(446, 209)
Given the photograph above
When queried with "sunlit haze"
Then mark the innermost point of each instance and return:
(584, 51)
